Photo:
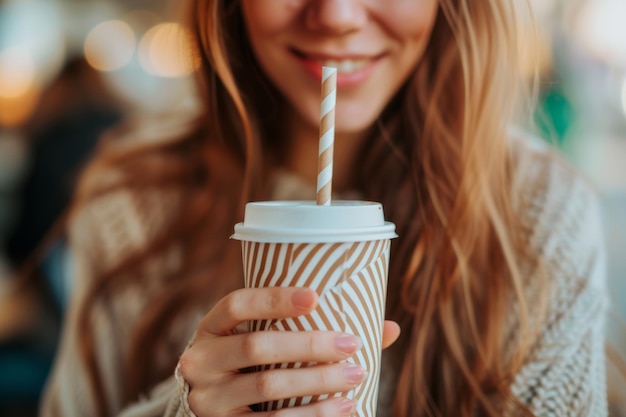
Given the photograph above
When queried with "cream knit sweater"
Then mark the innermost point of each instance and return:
(564, 376)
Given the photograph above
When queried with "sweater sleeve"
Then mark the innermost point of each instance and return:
(565, 373)
(101, 234)
(68, 391)
(168, 399)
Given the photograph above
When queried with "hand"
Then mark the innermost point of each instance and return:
(211, 366)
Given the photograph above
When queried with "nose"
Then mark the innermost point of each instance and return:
(336, 16)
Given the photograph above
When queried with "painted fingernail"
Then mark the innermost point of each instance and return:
(348, 344)
(346, 406)
(354, 373)
(303, 299)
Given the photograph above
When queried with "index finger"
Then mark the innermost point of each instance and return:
(257, 304)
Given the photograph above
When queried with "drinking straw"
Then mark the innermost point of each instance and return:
(327, 136)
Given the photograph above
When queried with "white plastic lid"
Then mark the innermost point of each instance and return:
(306, 222)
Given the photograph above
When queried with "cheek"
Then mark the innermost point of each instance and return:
(266, 17)
(411, 20)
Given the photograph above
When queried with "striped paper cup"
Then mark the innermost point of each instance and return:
(341, 251)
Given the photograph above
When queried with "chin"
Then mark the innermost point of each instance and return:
(354, 121)
(349, 120)
(352, 129)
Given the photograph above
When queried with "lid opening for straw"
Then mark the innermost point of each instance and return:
(327, 136)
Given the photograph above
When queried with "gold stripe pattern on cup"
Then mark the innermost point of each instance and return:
(351, 280)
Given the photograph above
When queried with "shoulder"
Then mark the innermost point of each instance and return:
(120, 204)
(564, 283)
(560, 214)
(542, 175)
(120, 222)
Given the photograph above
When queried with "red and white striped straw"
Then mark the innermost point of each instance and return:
(327, 136)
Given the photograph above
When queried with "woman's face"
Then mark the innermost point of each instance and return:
(374, 44)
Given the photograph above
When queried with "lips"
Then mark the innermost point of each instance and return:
(345, 63)
(346, 66)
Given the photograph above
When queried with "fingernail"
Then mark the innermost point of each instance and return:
(348, 344)
(346, 406)
(303, 299)
(354, 373)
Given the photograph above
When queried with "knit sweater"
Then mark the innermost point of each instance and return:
(563, 376)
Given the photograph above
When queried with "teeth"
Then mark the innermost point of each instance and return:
(347, 65)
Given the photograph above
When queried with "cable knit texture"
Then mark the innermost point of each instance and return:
(563, 376)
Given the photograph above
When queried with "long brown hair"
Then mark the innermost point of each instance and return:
(441, 142)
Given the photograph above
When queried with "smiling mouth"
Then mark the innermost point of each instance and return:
(347, 65)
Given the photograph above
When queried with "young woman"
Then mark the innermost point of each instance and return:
(496, 280)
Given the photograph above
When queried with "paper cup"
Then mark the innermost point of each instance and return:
(341, 251)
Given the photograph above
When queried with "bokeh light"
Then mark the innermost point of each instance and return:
(19, 89)
(17, 72)
(36, 27)
(15, 111)
(110, 45)
(165, 51)
(601, 30)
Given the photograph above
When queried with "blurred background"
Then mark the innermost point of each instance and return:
(72, 69)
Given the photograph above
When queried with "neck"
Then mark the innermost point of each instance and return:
(302, 141)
